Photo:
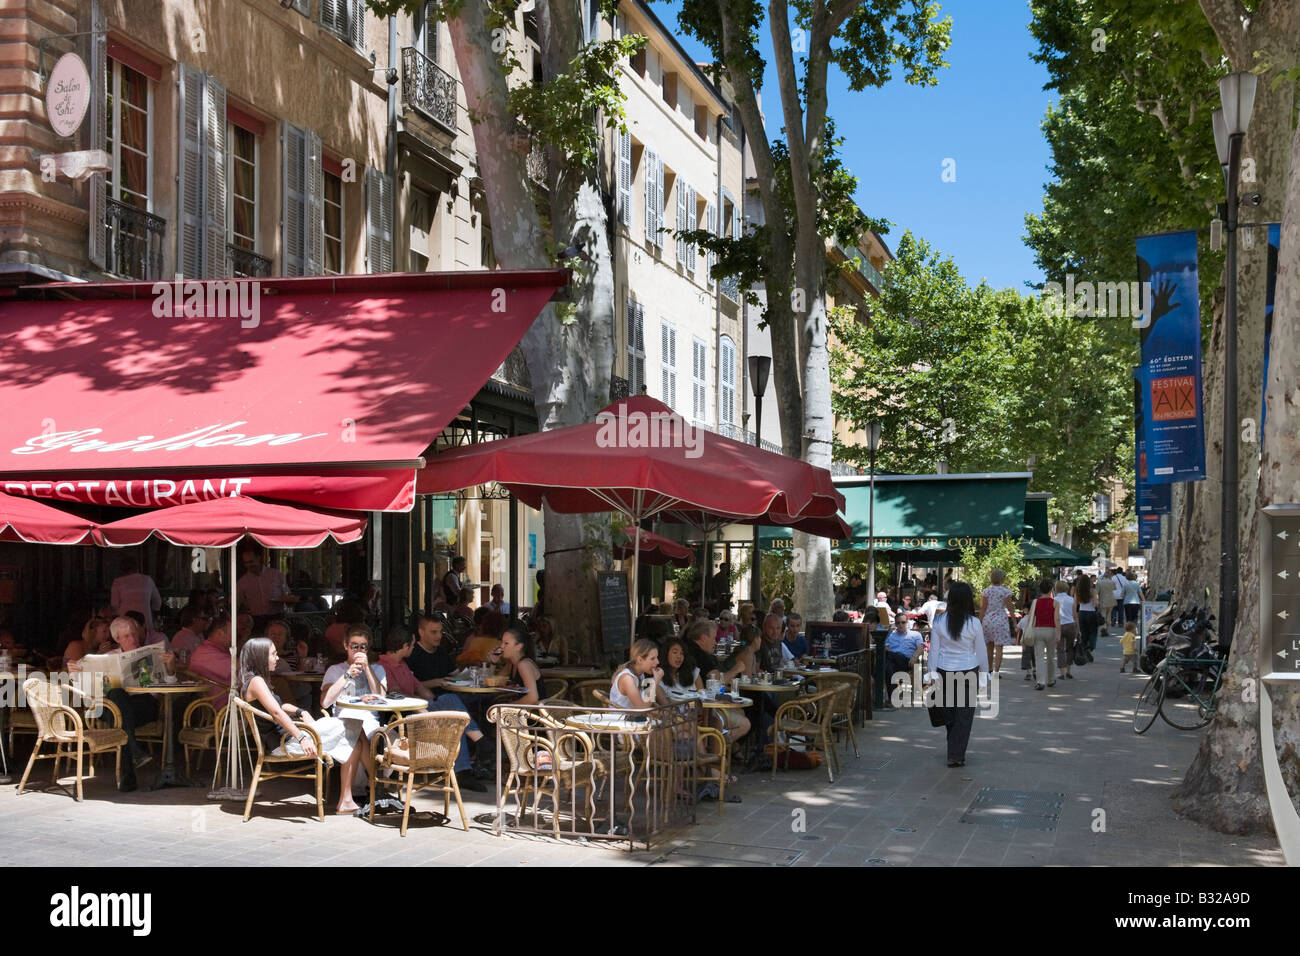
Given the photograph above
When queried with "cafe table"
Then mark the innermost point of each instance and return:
(391, 705)
(573, 673)
(756, 687)
(630, 733)
(169, 776)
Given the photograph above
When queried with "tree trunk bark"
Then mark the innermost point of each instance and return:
(1224, 787)
(567, 387)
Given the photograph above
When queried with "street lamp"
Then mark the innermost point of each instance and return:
(873, 443)
(1237, 93)
(759, 367)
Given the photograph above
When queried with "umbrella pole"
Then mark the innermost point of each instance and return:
(234, 729)
(636, 564)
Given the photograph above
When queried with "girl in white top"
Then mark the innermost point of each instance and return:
(627, 690)
(1069, 630)
(957, 649)
(679, 674)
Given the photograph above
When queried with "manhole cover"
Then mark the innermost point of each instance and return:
(809, 837)
(1015, 809)
(877, 861)
(904, 829)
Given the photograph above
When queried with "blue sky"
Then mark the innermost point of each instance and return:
(984, 115)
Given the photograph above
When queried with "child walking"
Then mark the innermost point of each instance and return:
(1128, 641)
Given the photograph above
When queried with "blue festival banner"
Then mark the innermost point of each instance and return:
(1148, 530)
(1274, 243)
(1170, 369)
(1151, 499)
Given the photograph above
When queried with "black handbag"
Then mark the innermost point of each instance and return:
(1081, 655)
(940, 716)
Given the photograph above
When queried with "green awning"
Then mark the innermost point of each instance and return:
(1053, 552)
(1036, 519)
(926, 515)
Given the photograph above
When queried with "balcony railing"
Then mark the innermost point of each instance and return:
(743, 435)
(864, 267)
(730, 287)
(133, 241)
(429, 88)
(247, 264)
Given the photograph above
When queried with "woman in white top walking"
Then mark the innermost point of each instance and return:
(1069, 630)
(960, 665)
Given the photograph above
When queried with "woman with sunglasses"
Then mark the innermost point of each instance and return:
(355, 677)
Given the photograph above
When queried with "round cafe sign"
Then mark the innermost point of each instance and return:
(67, 94)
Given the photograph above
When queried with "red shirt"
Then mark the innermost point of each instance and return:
(400, 675)
(1044, 612)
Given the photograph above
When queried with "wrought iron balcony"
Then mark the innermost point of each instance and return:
(537, 164)
(730, 287)
(247, 264)
(743, 435)
(429, 88)
(869, 272)
(133, 242)
(619, 387)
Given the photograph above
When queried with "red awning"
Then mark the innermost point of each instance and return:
(223, 521)
(655, 549)
(642, 459)
(323, 390)
(22, 519)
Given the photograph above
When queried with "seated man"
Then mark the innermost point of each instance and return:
(398, 647)
(773, 654)
(499, 602)
(147, 636)
(794, 640)
(137, 709)
(194, 625)
(903, 648)
(211, 661)
(286, 649)
(701, 640)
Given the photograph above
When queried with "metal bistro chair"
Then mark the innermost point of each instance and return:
(199, 728)
(321, 763)
(808, 718)
(554, 687)
(844, 689)
(583, 692)
(433, 740)
(62, 726)
(538, 765)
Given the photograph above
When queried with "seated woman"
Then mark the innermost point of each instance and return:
(679, 674)
(356, 677)
(517, 650)
(745, 614)
(94, 636)
(734, 723)
(550, 644)
(257, 661)
(682, 614)
(485, 640)
(627, 689)
(727, 630)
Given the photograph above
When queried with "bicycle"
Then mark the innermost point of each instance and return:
(1182, 691)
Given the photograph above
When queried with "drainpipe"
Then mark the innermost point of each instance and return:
(717, 311)
(390, 145)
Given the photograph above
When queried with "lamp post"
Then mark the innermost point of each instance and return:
(1237, 94)
(873, 443)
(759, 367)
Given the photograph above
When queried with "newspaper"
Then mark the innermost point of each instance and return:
(123, 670)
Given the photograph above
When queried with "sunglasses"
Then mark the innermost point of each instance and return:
(358, 647)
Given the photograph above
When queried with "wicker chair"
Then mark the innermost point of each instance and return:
(808, 718)
(582, 693)
(554, 687)
(199, 728)
(64, 727)
(433, 740)
(721, 759)
(525, 742)
(844, 687)
(294, 763)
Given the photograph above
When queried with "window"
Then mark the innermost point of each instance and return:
(668, 362)
(686, 213)
(303, 189)
(635, 347)
(379, 221)
(726, 381)
(427, 31)
(654, 198)
(699, 381)
(625, 179)
(670, 90)
(421, 219)
(130, 131)
(1102, 503)
(346, 19)
(702, 123)
(333, 212)
(203, 180)
(711, 224)
(243, 187)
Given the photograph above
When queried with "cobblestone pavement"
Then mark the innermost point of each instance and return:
(1068, 751)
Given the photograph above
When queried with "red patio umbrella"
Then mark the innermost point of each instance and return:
(25, 519)
(655, 549)
(221, 522)
(642, 459)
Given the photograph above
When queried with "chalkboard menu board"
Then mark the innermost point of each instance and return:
(845, 637)
(615, 610)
